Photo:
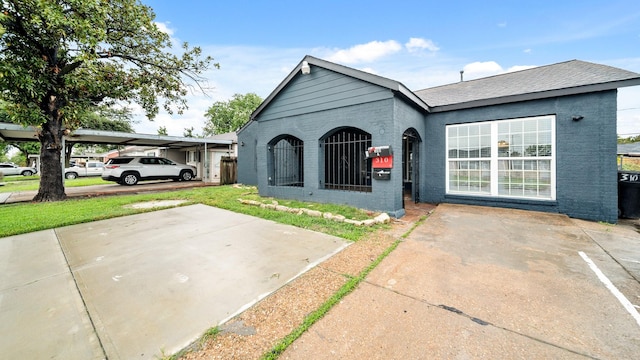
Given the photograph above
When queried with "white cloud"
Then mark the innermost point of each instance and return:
(479, 69)
(502, 24)
(527, 51)
(365, 52)
(520, 68)
(164, 27)
(416, 44)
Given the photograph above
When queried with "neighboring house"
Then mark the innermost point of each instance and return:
(194, 155)
(539, 139)
(631, 149)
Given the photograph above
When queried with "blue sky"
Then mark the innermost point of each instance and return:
(419, 43)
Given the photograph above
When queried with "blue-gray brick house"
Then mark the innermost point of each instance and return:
(539, 139)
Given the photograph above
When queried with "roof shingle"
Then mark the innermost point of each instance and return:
(565, 75)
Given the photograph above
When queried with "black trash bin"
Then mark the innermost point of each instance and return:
(629, 194)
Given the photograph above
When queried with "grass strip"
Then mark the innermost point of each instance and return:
(347, 288)
(20, 218)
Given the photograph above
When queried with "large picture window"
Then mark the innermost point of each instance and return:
(506, 158)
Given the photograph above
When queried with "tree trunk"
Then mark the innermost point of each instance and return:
(51, 181)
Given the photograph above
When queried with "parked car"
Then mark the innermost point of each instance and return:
(129, 170)
(13, 169)
(90, 168)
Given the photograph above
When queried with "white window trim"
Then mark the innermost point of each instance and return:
(494, 159)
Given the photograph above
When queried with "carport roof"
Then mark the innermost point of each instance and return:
(15, 132)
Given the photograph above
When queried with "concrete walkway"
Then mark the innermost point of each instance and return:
(489, 283)
(142, 285)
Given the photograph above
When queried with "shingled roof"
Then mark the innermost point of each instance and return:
(565, 78)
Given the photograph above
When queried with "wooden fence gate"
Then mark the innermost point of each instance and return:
(228, 170)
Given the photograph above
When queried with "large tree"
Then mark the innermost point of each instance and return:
(61, 58)
(229, 116)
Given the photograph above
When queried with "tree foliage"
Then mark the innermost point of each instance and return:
(628, 140)
(189, 132)
(61, 58)
(229, 116)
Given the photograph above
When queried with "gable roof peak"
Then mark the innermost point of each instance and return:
(312, 61)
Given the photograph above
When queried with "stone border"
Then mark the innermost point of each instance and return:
(383, 218)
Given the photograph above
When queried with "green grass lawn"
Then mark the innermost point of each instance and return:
(20, 218)
(31, 183)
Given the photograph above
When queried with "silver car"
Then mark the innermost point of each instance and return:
(13, 169)
(129, 170)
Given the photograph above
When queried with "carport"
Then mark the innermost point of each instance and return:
(15, 132)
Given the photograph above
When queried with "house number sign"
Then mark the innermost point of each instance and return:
(382, 162)
(629, 177)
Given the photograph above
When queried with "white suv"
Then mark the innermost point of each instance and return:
(128, 170)
(13, 169)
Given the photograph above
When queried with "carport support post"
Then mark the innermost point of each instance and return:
(62, 156)
(205, 176)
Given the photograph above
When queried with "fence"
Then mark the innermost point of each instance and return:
(228, 170)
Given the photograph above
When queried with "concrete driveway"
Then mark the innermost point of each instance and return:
(490, 283)
(137, 286)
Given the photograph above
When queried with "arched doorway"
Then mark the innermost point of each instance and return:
(411, 165)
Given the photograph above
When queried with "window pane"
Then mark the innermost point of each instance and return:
(544, 137)
(530, 125)
(544, 124)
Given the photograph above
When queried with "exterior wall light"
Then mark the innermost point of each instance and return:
(306, 69)
(577, 117)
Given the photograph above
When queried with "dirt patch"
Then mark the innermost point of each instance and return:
(156, 204)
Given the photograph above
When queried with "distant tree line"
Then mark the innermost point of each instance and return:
(628, 140)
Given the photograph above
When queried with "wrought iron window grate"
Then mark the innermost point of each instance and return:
(288, 162)
(345, 165)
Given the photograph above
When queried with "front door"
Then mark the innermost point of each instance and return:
(411, 165)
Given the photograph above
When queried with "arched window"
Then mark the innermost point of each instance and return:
(287, 161)
(345, 165)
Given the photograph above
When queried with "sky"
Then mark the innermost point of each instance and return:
(418, 43)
